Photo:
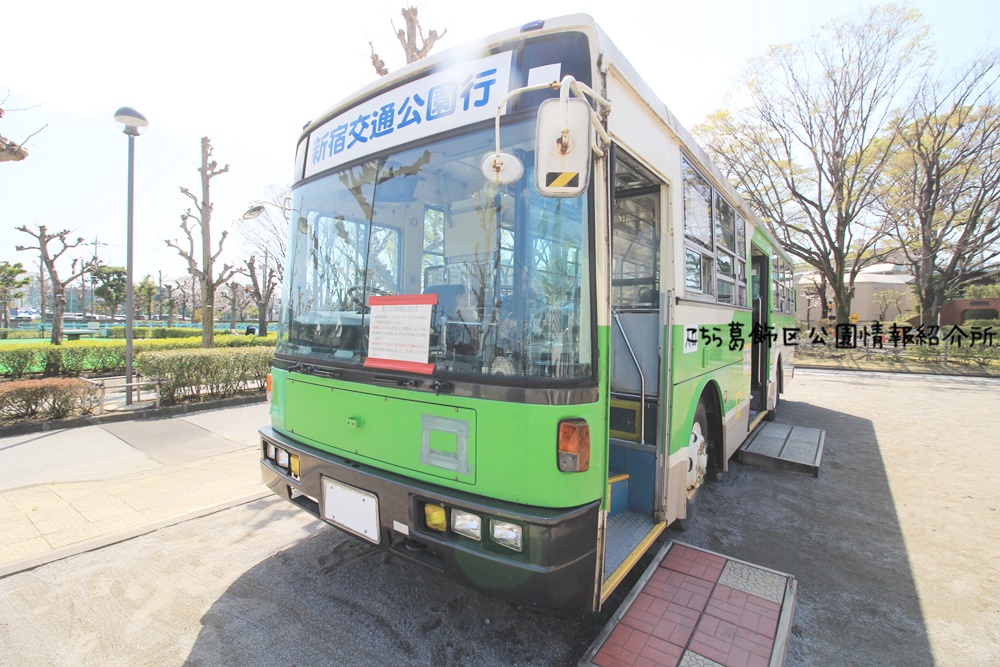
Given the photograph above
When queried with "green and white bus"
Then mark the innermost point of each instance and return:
(516, 332)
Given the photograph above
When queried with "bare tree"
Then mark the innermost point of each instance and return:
(210, 280)
(262, 291)
(184, 289)
(11, 151)
(886, 299)
(942, 190)
(48, 259)
(808, 148)
(169, 289)
(267, 234)
(408, 40)
(244, 299)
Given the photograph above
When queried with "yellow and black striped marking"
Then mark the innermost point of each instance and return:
(562, 179)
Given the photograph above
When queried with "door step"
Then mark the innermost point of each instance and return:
(624, 532)
(618, 493)
(695, 607)
(785, 447)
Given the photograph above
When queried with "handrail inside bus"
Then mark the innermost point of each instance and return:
(642, 378)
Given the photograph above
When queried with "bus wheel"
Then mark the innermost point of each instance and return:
(697, 465)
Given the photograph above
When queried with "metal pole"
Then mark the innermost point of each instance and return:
(128, 275)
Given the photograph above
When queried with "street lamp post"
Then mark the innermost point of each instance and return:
(132, 120)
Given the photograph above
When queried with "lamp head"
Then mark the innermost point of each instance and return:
(131, 119)
(253, 212)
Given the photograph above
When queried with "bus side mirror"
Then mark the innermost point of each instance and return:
(563, 140)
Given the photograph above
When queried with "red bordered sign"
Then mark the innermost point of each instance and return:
(400, 332)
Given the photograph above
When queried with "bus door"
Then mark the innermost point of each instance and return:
(759, 294)
(636, 335)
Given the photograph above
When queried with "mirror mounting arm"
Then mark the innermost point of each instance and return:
(503, 168)
(581, 90)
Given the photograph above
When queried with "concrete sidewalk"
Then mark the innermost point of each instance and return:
(68, 491)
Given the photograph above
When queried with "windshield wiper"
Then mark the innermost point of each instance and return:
(398, 381)
(309, 369)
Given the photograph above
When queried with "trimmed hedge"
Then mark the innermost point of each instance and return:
(143, 330)
(212, 373)
(14, 334)
(74, 357)
(175, 332)
(51, 398)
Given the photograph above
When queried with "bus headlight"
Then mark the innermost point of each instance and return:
(506, 534)
(467, 524)
(281, 458)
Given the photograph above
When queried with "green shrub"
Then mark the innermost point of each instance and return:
(77, 359)
(982, 324)
(239, 340)
(139, 332)
(16, 361)
(176, 332)
(20, 334)
(200, 373)
(80, 356)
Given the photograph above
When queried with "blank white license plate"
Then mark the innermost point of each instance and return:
(352, 509)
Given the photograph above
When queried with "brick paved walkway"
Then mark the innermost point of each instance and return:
(696, 608)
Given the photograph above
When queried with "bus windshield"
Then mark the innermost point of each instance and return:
(510, 269)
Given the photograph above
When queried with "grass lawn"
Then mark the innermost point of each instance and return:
(25, 341)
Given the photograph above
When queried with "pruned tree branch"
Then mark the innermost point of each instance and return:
(205, 273)
(408, 39)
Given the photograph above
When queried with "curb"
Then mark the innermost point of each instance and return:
(93, 544)
(27, 428)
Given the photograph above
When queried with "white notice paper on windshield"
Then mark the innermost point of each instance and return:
(400, 331)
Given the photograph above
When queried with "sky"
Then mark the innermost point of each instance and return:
(250, 74)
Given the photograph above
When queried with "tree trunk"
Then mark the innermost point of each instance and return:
(207, 316)
(58, 308)
(207, 293)
(823, 301)
(931, 301)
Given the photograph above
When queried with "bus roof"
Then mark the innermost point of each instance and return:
(610, 56)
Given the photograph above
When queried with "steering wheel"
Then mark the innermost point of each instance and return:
(356, 294)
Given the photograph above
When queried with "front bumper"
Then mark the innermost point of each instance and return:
(557, 567)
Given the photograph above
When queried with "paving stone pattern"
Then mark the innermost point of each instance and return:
(698, 610)
(754, 581)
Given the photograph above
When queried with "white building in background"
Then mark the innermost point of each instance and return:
(881, 292)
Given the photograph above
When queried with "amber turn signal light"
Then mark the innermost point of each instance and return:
(574, 445)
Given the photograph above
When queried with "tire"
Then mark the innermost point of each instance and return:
(699, 432)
